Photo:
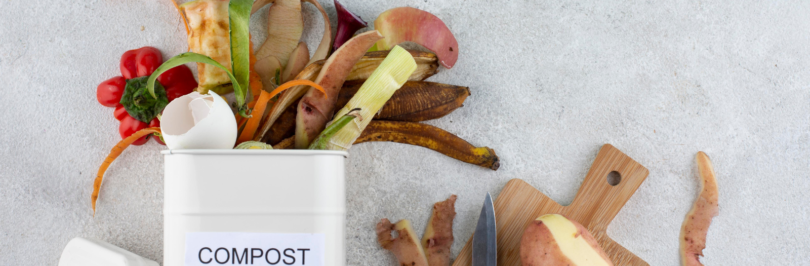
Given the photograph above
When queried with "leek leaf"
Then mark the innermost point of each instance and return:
(239, 12)
(320, 142)
(188, 58)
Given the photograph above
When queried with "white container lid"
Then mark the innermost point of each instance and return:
(88, 252)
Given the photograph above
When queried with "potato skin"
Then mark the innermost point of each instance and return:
(538, 247)
(696, 224)
(438, 237)
(406, 246)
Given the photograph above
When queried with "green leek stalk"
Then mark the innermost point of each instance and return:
(372, 95)
(322, 140)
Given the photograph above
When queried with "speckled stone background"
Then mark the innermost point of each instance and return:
(551, 82)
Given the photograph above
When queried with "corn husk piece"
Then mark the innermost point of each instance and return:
(383, 82)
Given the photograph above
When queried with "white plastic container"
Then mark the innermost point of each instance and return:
(90, 252)
(254, 191)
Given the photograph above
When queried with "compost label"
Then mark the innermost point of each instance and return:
(219, 248)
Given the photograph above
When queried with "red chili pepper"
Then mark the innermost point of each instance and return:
(136, 63)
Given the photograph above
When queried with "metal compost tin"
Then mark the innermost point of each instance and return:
(254, 207)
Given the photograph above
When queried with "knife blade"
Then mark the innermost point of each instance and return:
(485, 240)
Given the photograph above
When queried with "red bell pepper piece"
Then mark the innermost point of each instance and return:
(136, 63)
(109, 91)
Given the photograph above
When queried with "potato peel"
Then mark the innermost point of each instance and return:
(697, 221)
(438, 236)
(405, 246)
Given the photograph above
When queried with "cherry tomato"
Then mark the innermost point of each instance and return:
(120, 112)
(156, 123)
(131, 125)
(109, 92)
(147, 60)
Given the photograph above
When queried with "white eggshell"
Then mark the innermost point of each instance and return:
(197, 121)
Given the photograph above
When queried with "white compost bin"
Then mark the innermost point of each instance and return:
(254, 207)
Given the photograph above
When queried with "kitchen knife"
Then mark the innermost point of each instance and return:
(485, 240)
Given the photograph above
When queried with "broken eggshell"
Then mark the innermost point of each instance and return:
(197, 121)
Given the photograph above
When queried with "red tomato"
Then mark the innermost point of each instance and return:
(127, 65)
(156, 123)
(120, 112)
(147, 60)
(109, 92)
(131, 125)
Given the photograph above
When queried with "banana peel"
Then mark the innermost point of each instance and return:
(423, 135)
(415, 101)
(430, 137)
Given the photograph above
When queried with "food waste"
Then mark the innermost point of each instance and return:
(354, 88)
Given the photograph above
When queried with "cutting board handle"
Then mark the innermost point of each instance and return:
(599, 199)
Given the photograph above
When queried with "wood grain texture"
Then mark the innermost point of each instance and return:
(594, 206)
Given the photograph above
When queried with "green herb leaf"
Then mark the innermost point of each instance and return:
(320, 142)
(138, 102)
(239, 12)
(198, 58)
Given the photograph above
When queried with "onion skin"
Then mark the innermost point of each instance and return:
(348, 24)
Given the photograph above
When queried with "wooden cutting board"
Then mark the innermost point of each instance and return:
(594, 206)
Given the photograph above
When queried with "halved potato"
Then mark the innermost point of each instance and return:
(552, 239)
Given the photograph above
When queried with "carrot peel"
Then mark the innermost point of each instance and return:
(114, 153)
(261, 104)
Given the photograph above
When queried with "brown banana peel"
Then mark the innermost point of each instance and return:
(415, 101)
(432, 138)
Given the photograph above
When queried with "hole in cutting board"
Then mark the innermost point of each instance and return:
(613, 178)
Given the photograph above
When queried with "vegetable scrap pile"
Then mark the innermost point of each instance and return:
(353, 88)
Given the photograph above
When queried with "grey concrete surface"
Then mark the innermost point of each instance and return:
(551, 82)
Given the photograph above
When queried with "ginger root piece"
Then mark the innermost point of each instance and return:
(405, 247)
(438, 236)
(697, 221)
(553, 239)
